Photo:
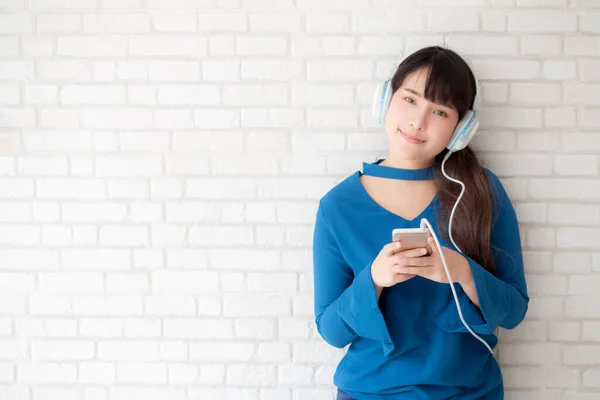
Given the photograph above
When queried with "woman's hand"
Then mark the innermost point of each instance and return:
(385, 269)
(431, 267)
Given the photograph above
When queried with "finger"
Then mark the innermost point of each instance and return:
(391, 248)
(410, 253)
(432, 244)
(408, 270)
(416, 262)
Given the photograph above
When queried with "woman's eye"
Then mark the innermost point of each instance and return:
(441, 113)
(408, 99)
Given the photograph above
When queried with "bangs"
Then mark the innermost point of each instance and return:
(441, 85)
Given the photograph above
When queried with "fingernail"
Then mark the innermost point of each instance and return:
(423, 251)
(398, 244)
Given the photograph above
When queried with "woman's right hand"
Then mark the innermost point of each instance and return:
(384, 269)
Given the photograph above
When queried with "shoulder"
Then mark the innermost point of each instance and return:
(500, 199)
(343, 190)
(496, 186)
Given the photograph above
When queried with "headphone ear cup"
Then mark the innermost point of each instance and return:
(387, 98)
(381, 101)
(464, 132)
(376, 106)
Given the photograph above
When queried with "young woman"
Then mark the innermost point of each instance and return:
(394, 307)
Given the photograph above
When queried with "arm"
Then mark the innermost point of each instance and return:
(490, 301)
(346, 306)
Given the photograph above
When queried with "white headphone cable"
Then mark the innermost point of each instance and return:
(437, 243)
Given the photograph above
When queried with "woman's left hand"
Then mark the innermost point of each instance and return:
(431, 267)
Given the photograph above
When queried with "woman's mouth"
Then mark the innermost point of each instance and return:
(410, 139)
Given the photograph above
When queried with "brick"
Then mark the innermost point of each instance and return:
(582, 307)
(42, 166)
(327, 22)
(221, 235)
(196, 328)
(9, 46)
(153, 373)
(13, 4)
(523, 377)
(175, 22)
(91, 46)
(251, 374)
(16, 23)
(339, 70)
(102, 95)
(255, 306)
(272, 283)
(65, 70)
(189, 95)
(540, 45)
(16, 71)
(35, 372)
(101, 259)
(509, 117)
(306, 46)
(576, 165)
(575, 237)
(172, 45)
(223, 352)
(560, 117)
(116, 23)
(260, 46)
(126, 283)
(174, 71)
(185, 282)
(559, 69)
(222, 22)
(493, 21)
(583, 284)
(506, 69)
(590, 21)
(569, 214)
(18, 118)
(183, 373)
(58, 23)
(564, 331)
(96, 373)
(274, 22)
(71, 282)
(535, 94)
(483, 45)
(380, 22)
(116, 118)
(554, 21)
(62, 4)
(572, 262)
(531, 353)
(580, 354)
(546, 307)
(104, 305)
(62, 351)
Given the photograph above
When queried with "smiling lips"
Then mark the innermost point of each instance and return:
(410, 139)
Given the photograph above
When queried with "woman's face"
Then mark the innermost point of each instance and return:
(416, 128)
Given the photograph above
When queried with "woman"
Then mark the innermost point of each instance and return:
(394, 307)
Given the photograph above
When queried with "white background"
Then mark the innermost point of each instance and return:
(161, 162)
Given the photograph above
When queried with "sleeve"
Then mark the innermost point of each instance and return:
(346, 307)
(503, 298)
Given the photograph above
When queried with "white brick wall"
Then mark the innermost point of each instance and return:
(161, 160)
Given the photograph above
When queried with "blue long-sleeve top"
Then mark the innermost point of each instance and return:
(411, 344)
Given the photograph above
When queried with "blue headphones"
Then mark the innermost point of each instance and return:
(463, 133)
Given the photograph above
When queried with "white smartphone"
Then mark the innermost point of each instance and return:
(412, 238)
